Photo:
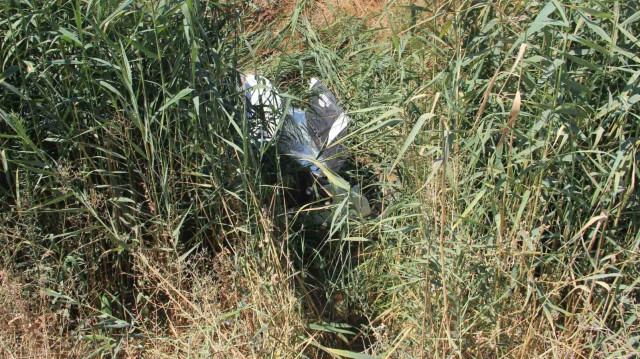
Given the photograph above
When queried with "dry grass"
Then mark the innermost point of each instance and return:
(185, 311)
(28, 328)
(274, 16)
(241, 312)
(326, 13)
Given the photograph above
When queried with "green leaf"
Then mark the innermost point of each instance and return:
(119, 10)
(412, 135)
(138, 46)
(348, 354)
(71, 36)
(176, 98)
(469, 208)
(333, 177)
(8, 72)
(350, 239)
(329, 327)
(543, 20)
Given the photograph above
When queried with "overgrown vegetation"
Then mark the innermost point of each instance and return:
(497, 141)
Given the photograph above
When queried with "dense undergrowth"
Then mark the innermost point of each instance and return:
(497, 141)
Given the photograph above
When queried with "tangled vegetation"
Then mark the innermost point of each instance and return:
(497, 141)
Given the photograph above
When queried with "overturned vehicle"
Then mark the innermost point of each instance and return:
(311, 137)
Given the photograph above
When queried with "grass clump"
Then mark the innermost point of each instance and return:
(497, 142)
(122, 140)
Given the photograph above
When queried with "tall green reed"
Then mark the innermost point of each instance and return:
(122, 131)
